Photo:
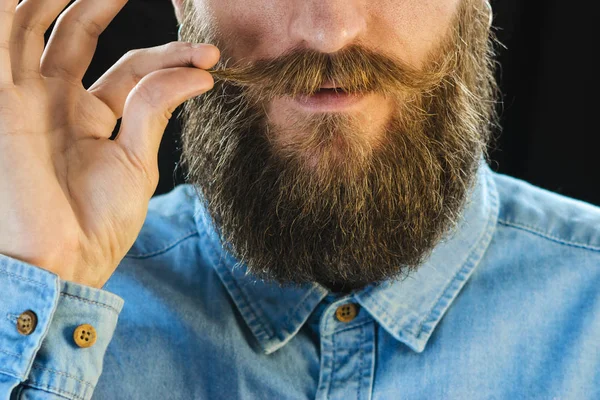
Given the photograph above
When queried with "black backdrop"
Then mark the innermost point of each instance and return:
(546, 77)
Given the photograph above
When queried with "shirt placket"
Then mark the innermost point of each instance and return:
(347, 341)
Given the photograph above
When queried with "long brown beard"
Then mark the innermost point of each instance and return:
(364, 213)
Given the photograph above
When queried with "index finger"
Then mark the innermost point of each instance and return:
(114, 86)
(7, 14)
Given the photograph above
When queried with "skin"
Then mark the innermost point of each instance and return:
(72, 201)
(407, 29)
(311, 199)
(90, 194)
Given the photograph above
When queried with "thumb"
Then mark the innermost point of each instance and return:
(149, 107)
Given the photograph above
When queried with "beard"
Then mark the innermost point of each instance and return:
(328, 204)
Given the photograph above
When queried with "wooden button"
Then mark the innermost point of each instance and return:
(84, 335)
(347, 312)
(27, 322)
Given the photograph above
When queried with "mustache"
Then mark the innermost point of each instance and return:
(354, 69)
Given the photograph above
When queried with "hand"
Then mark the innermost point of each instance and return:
(72, 201)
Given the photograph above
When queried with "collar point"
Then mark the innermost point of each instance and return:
(415, 343)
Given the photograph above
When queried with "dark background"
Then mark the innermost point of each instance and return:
(546, 76)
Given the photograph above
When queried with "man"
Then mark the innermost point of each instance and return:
(341, 235)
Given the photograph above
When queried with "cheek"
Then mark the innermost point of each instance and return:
(411, 29)
(250, 28)
(260, 28)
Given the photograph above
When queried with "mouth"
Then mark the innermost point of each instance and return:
(329, 98)
(330, 86)
(332, 90)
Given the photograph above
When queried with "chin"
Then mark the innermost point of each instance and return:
(325, 143)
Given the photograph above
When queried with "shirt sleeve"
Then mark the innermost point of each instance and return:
(40, 355)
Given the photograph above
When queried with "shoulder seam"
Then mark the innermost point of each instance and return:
(546, 235)
(166, 248)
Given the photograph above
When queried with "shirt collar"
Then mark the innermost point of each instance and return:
(409, 309)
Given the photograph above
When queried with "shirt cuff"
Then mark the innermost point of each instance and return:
(49, 358)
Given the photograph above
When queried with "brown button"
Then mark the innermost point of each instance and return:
(84, 335)
(27, 322)
(347, 312)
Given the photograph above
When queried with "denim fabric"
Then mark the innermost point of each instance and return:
(48, 361)
(507, 307)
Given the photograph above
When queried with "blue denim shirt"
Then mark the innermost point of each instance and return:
(508, 307)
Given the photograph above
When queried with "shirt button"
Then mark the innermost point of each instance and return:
(85, 335)
(347, 312)
(27, 322)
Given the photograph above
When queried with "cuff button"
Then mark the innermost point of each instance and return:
(84, 335)
(27, 322)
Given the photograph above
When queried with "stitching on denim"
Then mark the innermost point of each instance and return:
(370, 373)
(358, 325)
(67, 295)
(257, 324)
(53, 371)
(467, 264)
(166, 248)
(228, 275)
(10, 354)
(10, 373)
(475, 255)
(547, 235)
(388, 318)
(257, 320)
(322, 366)
(293, 318)
(12, 317)
(22, 278)
(331, 372)
(53, 389)
(360, 365)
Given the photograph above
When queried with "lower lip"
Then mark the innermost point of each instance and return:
(328, 101)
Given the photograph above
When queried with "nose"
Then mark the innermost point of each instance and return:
(327, 25)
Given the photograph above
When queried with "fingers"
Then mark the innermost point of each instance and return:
(32, 19)
(114, 86)
(73, 42)
(7, 12)
(148, 109)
